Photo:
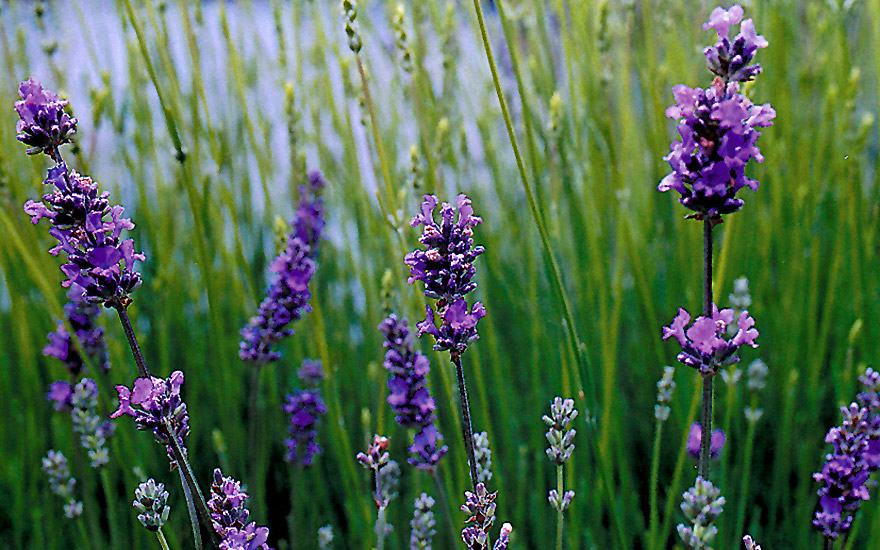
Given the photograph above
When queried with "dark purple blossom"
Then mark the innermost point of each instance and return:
(695, 438)
(288, 294)
(855, 456)
(480, 508)
(409, 396)
(729, 58)
(229, 516)
(704, 346)
(446, 268)
(44, 125)
(718, 125)
(82, 316)
(99, 260)
(305, 408)
(156, 405)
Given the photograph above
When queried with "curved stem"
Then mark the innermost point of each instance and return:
(706, 417)
(466, 428)
(188, 478)
(162, 540)
(132, 340)
(111, 509)
(193, 515)
(380, 149)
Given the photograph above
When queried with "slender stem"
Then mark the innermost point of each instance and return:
(380, 149)
(132, 340)
(193, 515)
(829, 543)
(444, 504)
(111, 509)
(81, 525)
(746, 471)
(708, 379)
(381, 503)
(162, 540)
(559, 510)
(655, 473)
(466, 428)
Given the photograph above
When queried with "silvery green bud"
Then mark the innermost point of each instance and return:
(149, 500)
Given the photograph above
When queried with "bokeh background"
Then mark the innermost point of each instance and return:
(257, 91)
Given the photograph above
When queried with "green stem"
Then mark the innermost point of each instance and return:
(188, 478)
(559, 511)
(746, 471)
(162, 540)
(466, 427)
(444, 505)
(655, 472)
(706, 417)
(81, 526)
(111, 509)
(380, 149)
(193, 515)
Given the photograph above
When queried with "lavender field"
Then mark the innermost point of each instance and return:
(520, 274)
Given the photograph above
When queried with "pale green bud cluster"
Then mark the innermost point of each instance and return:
(352, 28)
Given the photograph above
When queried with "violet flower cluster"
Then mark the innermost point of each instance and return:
(288, 295)
(156, 405)
(82, 402)
(43, 124)
(704, 346)
(409, 396)
(855, 456)
(718, 125)
(229, 516)
(87, 227)
(82, 317)
(305, 407)
(446, 267)
(62, 483)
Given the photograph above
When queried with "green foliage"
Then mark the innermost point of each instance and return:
(197, 133)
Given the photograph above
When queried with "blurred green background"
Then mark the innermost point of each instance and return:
(255, 91)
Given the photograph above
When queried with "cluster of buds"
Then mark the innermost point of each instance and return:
(483, 454)
(562, 414)
(756, 381)
(82, 402)
(401, 40)
(62, 483)
(375, 459)
(150, 500)
(422, 523)
(665, 387)
(352, 29)
(702, 504)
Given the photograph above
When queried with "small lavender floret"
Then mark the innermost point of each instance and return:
(560, 503)
(82, 317)
(503, 537)
(702, 504)
(730, 58)
(560, 438)
(480, 508)
(377, 454)
(43, 124)
(325, 537)
(288, 294)
(422, 524)
(446, 268)
(150, 499)
(695, 437)
(305, 407)
(665, 387)
(229, 516)
(156, 405)
(703, 345)
(61, 482)
(750, 544)
(100, 262)
(483, 454)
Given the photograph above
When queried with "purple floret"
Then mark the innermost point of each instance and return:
(229, 516)
(156, 405)
(82, 317)
(305, 408)
(704, 346)
(43, 124)
(695, 438)
(288, 294)
(446, 268)
(730, 58)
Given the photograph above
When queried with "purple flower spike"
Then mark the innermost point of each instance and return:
(288, 295)
(229, 516)
(446, 268)
(703, 344)
(156, 405)
(695, 438)
(730, 58)
(305, 408)
(44, 125)
(82, 317)
(100, 264)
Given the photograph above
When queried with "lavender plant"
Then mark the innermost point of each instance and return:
(560, 438)
(480, 507)
(409, 396)
(325, 537)
(150, 500)
(695, 441)
(81, 401)
(483, 455)
(718, 135)
(82, 317)
(229, 516)
(375, 459)
(855, 456)
(422, 523)
(446, 268)
(62, 483)
(702, 504)
(665, 389)
(305, 407)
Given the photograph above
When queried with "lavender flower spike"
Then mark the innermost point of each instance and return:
(288, 295)
(409, 396)
(229, 516)
(156, 405)
(61, 482)
(702, 504)
(43, 124)
(305, 408)
(82, 317)
(480, 508)
(446, 268)
(422, 523)
(703, 344)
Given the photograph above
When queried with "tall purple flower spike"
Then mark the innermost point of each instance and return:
(229, 516)
(288, 295)
(43, 124)
(305, 407)
(446, 268)
(156, 405)
(855, 456)
(704, 346)
(695, 437)
(99, 260)
(718, 125)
